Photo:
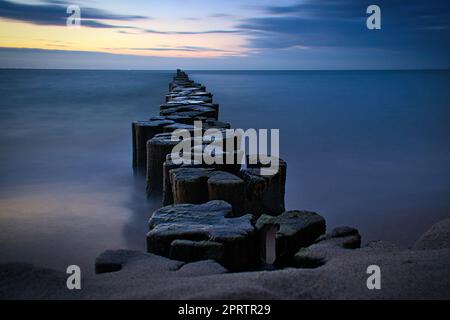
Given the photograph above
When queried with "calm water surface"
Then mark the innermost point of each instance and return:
(368, 149)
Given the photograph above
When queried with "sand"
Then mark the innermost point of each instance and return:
(419, 273)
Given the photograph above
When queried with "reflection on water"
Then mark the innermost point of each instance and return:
(67, 191)
(368, 149)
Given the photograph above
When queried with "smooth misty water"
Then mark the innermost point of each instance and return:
(368, 149)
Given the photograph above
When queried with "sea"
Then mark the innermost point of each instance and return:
(368, 149)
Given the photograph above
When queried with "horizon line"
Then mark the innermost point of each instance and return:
(194, 70)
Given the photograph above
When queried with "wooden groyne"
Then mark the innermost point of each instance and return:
(226, 212)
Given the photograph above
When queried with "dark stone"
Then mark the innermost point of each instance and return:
(191, 251)
(204, 222)
(108, 262)
(351, 242)
(327, 247)
(307, 258)
(437, 237)
(343, 237)
(297, 229)
(115, 260)
(340, 232)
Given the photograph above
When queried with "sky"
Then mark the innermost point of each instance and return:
(225, 34)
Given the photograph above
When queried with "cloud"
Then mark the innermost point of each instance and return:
(65, 59)
(222, 15)
(342, 23)
(53, 13)
(334, 31)
(199, 49)
(181, 48)
(191, 32)
(213, 16)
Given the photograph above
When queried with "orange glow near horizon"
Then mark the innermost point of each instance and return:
(110, 40)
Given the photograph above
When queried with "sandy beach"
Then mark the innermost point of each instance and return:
(421, 272)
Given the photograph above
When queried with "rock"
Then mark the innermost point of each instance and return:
(109, 261)
(351, 242)
(204, 222)
(352, 238)
(115, 260)
(344, 237)
(321, 252)
(327, 247)
(315, 256)
(297, 229)
(190, 251)
(201, 268)
(437, 237)
(310, 258)
(343, 232)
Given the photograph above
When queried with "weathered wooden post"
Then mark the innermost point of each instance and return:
(228, 187)
(213, 204)
(142, 131)
(157, 149)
